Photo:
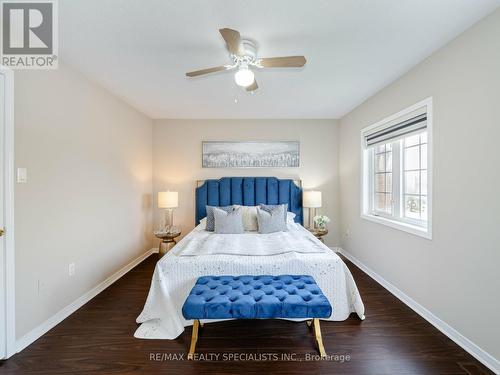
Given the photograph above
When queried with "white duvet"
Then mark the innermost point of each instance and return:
(201, 242)
(203, 253)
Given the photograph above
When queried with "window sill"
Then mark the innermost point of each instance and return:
(409, 228)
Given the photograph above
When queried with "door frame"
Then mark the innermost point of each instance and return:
(7, 299)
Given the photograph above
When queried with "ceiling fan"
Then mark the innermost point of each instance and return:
(243, 53)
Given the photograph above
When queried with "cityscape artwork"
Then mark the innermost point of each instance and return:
(250, 154)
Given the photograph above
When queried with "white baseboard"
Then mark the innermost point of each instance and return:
(50, 323)
(485, 358)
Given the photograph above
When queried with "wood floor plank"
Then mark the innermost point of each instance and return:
(98, 339)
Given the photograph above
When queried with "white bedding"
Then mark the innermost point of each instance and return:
(203, 253)
(201, 242)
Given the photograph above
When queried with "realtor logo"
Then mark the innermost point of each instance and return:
(29, 34)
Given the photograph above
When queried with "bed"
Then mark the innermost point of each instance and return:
(202, 253)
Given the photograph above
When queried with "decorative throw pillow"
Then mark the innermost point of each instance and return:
(228, 222)
(269, 207)
(210, 226)
(250, 218)
(271, 221)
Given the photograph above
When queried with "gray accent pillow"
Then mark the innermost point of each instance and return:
(229, 222)
(270, 207)
(210, 225)
(271, 220)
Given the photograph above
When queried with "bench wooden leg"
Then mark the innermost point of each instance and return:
(319, 339)
(194, 339)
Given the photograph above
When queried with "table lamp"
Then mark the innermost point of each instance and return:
(311, 199)
(168, 200)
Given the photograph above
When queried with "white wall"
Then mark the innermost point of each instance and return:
(455, 275)
(88, 194)
(177, 159)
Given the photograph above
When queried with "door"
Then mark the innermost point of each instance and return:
(7, 265)
(3, 317)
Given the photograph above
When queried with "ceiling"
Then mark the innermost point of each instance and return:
(141, 50)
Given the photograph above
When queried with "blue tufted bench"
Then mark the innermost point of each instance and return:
(256, 297)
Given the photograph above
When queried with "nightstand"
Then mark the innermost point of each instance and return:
(319, 233)
(167, 241)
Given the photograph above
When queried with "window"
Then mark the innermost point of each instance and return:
(396, 189)
(415, 177)
(382, 169)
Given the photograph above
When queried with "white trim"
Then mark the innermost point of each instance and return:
(482, 356)
(405, 227)
(9, 271)
(50, 323)
(364, 183)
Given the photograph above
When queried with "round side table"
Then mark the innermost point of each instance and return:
(167, 242)
(319, 233)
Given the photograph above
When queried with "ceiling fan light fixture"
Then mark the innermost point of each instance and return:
(244, 77)
(243, 54)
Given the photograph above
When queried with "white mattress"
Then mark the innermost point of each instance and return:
(202, 253)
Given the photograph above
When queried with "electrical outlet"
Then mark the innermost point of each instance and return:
(22, 175)
(71, 269)
(42, 287)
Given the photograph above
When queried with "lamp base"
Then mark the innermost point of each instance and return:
(169, 219)
(311, 217)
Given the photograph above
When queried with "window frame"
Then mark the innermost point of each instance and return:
(367, 178)
(372, 172)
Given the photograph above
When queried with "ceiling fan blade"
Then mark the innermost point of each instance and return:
(208, 70)
(233, 41)
(254, 86)
(283, 62)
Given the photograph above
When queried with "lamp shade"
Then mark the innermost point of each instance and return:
(168, 199)
(311, 199)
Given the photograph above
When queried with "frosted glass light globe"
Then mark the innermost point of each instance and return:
(244, 77)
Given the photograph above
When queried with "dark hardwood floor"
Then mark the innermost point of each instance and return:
(98, 339)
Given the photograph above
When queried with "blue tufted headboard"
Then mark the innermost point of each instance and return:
(248, 191)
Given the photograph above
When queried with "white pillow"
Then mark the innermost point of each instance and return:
(290, 216)
(203, 223)
(250, 218)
